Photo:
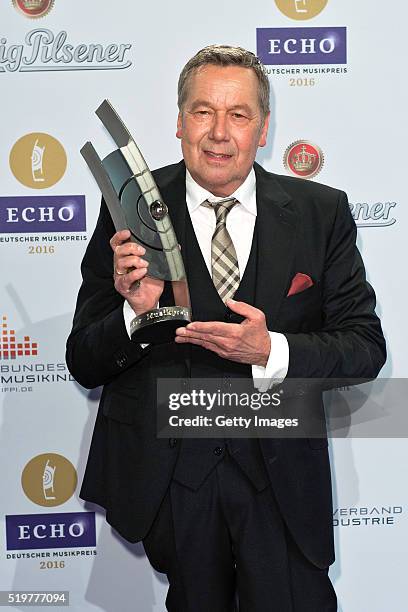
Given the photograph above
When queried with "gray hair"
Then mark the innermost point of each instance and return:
(225, 55)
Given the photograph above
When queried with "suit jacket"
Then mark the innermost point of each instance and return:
(331, 328)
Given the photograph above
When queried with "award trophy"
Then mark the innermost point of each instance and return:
(134, 203)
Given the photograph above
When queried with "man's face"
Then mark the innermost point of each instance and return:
(221, 127)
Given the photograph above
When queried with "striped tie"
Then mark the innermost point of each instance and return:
(224, 262)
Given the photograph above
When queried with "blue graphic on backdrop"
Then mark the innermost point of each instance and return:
(290, 46)
(38, 214)
(57, 530)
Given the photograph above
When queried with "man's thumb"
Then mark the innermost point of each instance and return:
(241, 308)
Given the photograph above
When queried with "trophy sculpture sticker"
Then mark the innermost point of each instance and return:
(38, 160)
(49, 479)
(301, 9)
(135, 203)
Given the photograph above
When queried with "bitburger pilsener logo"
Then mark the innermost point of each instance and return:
(303, 159)
(34, 9)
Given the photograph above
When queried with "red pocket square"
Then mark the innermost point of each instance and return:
(300, 282)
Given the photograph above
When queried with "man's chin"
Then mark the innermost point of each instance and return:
(222, 189)
(218, 183)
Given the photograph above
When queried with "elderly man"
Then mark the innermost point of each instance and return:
(235, 522)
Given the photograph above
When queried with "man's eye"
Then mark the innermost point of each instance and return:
(238, 116)
(203, 113)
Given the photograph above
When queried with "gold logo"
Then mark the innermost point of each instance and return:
(49, 479)
(301, 9)
(33, 8)
(38, 160)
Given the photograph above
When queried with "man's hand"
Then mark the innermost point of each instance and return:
(130, 274)
(246, 342)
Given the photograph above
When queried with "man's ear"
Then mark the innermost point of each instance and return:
(264, 131)
(179, 132)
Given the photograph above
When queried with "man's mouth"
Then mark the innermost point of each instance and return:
(217, 156)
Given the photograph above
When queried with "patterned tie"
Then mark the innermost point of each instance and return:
(224, 262)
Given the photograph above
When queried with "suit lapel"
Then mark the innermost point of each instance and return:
(276, 226)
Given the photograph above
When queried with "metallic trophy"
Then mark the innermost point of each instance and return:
(134, 202)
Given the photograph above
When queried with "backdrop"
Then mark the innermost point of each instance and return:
(338, 116)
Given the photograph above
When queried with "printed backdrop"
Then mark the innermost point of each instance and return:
(338, 116)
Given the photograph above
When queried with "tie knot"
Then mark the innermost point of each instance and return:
(221, 208)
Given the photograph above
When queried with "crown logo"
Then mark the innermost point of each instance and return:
(303, 161)
(32, 5)
(303, 158)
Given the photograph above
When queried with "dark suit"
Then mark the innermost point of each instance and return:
(331, 329)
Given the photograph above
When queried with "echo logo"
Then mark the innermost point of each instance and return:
(290, 46)
(62, 530)
(39, 214)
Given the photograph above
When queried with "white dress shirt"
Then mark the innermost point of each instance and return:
(240, 224)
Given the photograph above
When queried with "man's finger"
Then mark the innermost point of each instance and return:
(119, 237)
(185, 333)
(128, 248)
(124, 282)
(217, 328)
(244, 309)
(125, 264)
(199, 342)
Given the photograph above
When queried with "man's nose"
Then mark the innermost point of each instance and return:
(219, 127)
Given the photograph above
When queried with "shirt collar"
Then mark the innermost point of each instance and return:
(245, 194)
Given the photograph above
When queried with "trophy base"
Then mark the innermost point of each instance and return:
(159, 325)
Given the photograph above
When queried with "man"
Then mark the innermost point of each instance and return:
(227, 520)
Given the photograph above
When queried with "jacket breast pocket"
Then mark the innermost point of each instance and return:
(301, 309)
(307, 295)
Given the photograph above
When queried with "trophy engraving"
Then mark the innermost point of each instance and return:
(135, 203)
